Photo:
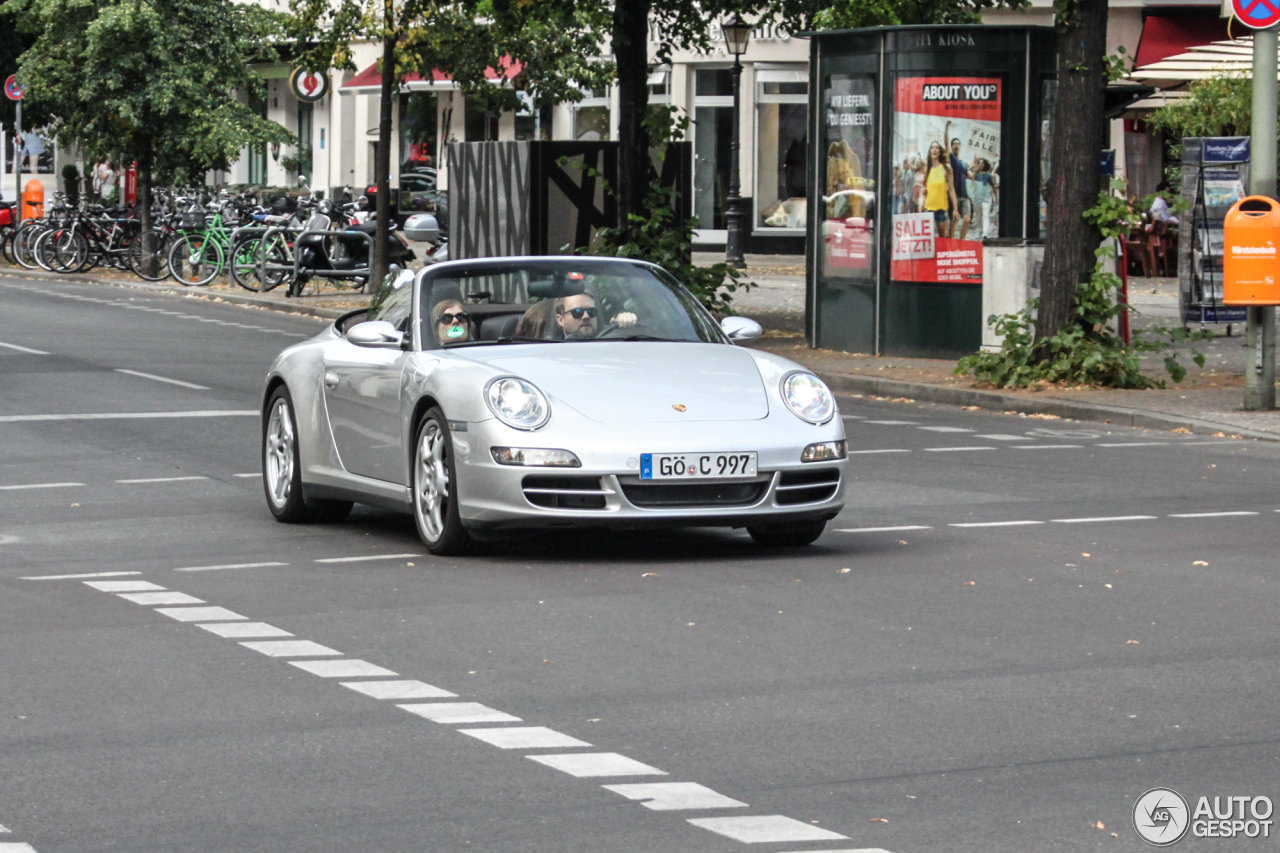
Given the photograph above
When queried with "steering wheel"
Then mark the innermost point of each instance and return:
(612, 327)
(637, 329)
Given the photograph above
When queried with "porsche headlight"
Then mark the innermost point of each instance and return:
(517, 403)
(807, 396)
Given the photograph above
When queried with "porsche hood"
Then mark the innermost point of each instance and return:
(640, 381)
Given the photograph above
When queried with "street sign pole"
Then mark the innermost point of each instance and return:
(1260, 332)
(17, 159)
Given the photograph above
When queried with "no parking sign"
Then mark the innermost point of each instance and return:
(1258, 14)
(12, 90)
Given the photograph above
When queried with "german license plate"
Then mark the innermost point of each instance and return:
(696, 466)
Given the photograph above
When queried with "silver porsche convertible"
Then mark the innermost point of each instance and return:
(492, 396)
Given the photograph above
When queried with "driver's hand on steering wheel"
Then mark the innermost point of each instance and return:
(625, 320)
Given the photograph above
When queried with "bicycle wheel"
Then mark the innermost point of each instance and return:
(43, 249)
(244, 263)
(6, 243)
(70, 250)
(195, 259)
(275, 262)
(148, 255)
(24, 240)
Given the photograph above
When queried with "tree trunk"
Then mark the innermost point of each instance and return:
(631, 52)
(144, 191)
(1076, 148)
(382, 163)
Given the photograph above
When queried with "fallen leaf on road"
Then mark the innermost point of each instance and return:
(1199, 563)
(798, 580)
(845, 571)
(1113, 835)
(1182, 430)
(546, 660)
(1219, 435)
(901, 400)
(970, 408)
(691, 624)
(1131, 643)
(649, 575)
(410, 565)
(970, 583)
(902, 542)
(1045, 417)
(1086, 555)
(877, 820)
(1100, 825)
(1107, 585)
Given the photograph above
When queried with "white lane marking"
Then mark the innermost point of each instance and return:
(850, 850)
(897, 450)
(150, 598)
(762, 829)
(114, 416)
(882, 529)
(585, 765)
(893, 423)
(1134, 444)
(366, 558)
(291, 649)
(1219, 441)
(524, 737)
(254, 474)
(954, 449)
(999, 436)
(228, 566)
(243, 629)
(946, 429)
(76, 577)
(1209, 514)
(16, 848)
(1045, 446)
(200, 614)
(39, 486)
(27, 350)
(408, 689)
(853, 417)
(9, 539)
(162, 479)
(163, 379)
(123, 586)
(3, 828)
(459, 712)
(675, 796)
(342, 668)
(994, 523)
(1104, 518)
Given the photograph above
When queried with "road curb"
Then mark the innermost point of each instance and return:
(192, 292)
(845, 383)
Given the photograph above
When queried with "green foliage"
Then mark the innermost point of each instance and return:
(1118, 64)
(1216, 106)
(842, 14)
(1086, 351)
(660, 236)
(127, 82)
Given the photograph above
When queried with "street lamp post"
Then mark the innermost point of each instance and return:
(737, 33)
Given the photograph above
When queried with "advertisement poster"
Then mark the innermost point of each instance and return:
(946, 172)
(848, 200)
(37, 153)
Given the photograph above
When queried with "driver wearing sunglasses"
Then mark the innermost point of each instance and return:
(453, 324)
(579, 317)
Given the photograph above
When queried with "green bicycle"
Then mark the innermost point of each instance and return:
(200, 253)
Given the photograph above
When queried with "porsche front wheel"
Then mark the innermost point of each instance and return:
(435, 493)
(282, 468)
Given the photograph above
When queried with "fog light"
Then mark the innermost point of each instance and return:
(823, 452)
(535, 457)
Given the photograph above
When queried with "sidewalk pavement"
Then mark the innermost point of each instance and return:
(1207, 401)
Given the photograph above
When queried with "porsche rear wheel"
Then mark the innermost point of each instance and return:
(435, 504)
(784, 535)
(282, 469)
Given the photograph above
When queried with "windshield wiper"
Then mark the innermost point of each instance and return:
(519, 339)
(652, 338)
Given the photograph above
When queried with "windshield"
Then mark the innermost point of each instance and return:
(561, 301)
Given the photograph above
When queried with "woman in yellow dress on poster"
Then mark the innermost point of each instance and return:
(940, 189)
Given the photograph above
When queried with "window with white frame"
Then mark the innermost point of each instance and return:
(712, 138)
(782, 124)
(591, 116)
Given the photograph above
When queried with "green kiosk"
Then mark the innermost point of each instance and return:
(927, 148)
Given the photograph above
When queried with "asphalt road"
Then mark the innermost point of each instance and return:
(1016, 627)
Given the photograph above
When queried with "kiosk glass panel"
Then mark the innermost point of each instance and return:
(848, 205)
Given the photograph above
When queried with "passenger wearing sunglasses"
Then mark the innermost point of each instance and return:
(579, 317)
(453, 324)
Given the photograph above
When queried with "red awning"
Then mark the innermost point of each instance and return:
(369, 78)
(1167, 33)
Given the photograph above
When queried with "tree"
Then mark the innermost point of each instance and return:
(1079, 124)
(546, 44)
(124, 81)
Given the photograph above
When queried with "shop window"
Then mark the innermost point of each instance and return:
(532, 122)
(480, 123)
(714, 83)
(303, 156)
(782, 144)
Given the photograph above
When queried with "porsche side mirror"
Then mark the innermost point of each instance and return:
(741, 328)
(378, 334)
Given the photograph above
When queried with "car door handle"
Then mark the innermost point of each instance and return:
(330, 380)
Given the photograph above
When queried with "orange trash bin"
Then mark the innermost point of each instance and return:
(33, 200)
(1250, 263)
